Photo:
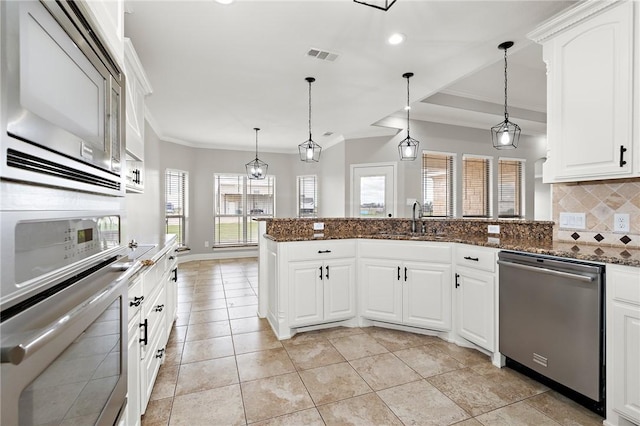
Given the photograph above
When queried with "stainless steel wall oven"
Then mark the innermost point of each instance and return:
(63, 99)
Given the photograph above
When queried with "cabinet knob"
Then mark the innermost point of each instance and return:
(159, 308)
(136, 301)
(160, 353)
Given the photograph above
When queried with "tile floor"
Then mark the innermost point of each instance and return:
(225, 367)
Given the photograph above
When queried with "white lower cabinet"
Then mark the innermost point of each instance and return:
(413, 287)
(135, 299)
(623, 345)
(475, 295)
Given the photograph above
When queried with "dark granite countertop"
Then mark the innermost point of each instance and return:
(581, 251)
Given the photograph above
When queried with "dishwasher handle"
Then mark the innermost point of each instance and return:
(585, 278)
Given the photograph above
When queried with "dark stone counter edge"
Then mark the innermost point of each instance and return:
(503, 246)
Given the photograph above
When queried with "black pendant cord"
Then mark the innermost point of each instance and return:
(310, 81)
(408, 107)
(256, 129)
(506, 114)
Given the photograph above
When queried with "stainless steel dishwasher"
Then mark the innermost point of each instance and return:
(551, 322)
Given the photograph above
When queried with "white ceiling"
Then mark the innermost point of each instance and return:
(218, 71)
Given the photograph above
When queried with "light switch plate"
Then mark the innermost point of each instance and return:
(493, 229)
(621, 222)
(572, 220)
(318, 226)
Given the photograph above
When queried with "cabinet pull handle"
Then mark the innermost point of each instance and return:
(321, 272)
(159, 308)
(457, 283)
(405, 274)
(324, 251)
(398, 273)
(160, 353)
(144, 340)
(622, 151)
(136, 301)
(175, 275)
(475, 259)
(327, 275)
(171, 257)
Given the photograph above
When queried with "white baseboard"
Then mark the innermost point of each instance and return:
(219, 255)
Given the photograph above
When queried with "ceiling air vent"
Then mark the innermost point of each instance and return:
(322, 55)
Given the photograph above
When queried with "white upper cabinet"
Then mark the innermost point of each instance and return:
(109, 15)
(138, 88)
(589, 52)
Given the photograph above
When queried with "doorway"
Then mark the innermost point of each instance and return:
(373, 191)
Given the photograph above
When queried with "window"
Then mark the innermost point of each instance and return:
(237, 200)
(476, 192)
(307, 196)
(510, 188)
(438, 194)
(176, 186)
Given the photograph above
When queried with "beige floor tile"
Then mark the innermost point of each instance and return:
(173, 353)
(358, 346)
(240, 293)
(333, 382)
(165, 385)
(308, 417)
(274, 396)
(182, 318)
(200, 350)
(513, 386)
(210, 315)
(208, 330)
(467, 356)
(314, 354)
(258, 365)
(217, 290)
(206, 304)
(249, 325)
(362, 410)
(419, 403)
(220, 406)
(183, 307)
(243, 312)
(428, 361)
(178, 334)
(471, 391)
(233, 302)
(183, 298)
(305, 338)
(236, 284)
(395, 340)
(337, 332)
(158, 412)
(203, 375)
(470, 422)
(518, 414)
(256, 341)
(563, 410)
(384, 371)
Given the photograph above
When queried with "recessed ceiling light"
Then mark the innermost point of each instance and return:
(225, 1)
(396, 38)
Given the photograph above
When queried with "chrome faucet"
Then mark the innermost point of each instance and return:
(413, 217)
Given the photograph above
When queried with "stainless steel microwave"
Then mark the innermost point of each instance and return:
(63, 99)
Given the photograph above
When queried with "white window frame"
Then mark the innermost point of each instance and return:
(523, 194)
(299, 195)
(183, 217)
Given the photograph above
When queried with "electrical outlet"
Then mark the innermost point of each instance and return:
(493, 229)
(318, 226)
(621, 222)
(206, 244)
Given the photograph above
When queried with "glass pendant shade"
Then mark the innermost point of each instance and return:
(505, 135)
(408, 148)
(256, 169)
(309, 150)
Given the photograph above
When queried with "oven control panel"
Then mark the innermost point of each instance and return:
(43, 246)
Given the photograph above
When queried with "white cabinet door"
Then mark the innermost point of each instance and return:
(626, 360)
(475, 295)
(427, 295)
(590, 97)
(133, 371)
(339, 289)
(381, 296)
(305, 293)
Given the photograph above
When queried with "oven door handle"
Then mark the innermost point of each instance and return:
(585, 278)
(15, 354)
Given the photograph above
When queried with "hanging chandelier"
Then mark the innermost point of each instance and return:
(309, 150)
(505, 135)
(378, 4)
(256, 169)
(408, 147)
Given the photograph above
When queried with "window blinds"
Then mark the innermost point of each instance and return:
(175, 203)
(437, 184)
(307, 196)
(476, 194)
(510, 188)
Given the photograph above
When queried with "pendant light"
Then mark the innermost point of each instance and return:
(256, 169)
(505, 135)
(309, 150)
(408, 148)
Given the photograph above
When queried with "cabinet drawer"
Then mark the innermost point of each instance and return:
(135, 300)
(154, 313)
(320, 250)
(476, 257)
(626, 283)
(417, 251)
(151, 279)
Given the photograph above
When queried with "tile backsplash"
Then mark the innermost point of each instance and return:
(599, 200)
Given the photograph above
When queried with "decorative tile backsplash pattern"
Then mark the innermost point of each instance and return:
(599, 200)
